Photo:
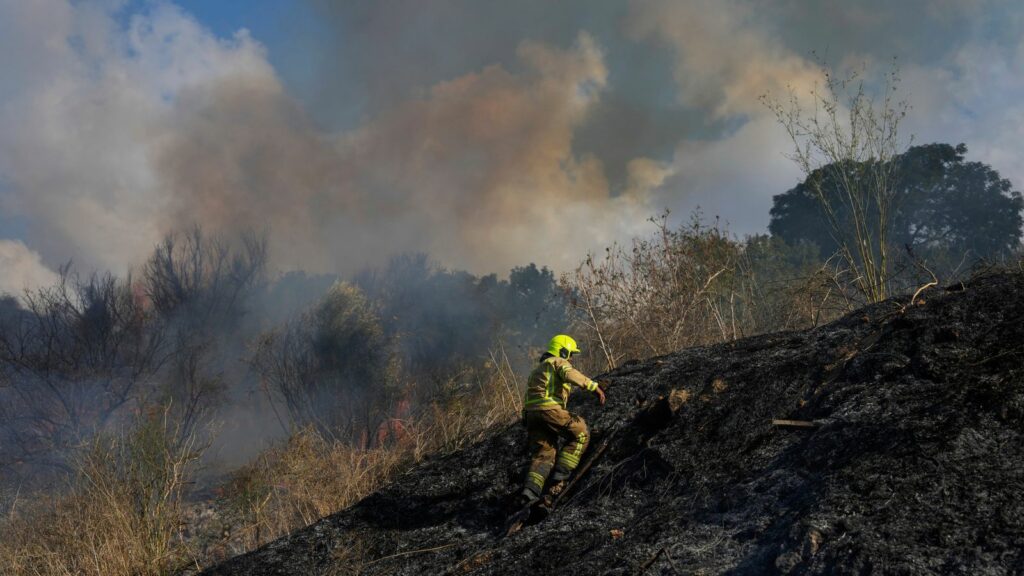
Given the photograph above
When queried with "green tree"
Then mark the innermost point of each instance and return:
(945, 207)
(333, 367)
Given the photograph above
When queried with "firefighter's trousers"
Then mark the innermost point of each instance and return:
(544, 428)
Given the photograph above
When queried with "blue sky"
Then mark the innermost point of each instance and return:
(290, 30)
(224, 17)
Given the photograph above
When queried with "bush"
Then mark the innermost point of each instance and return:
(312, 475)
(332, 368)
(121, 514)
(77, 358)
(692, 286)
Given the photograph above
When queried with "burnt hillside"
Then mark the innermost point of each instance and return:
(916, 465)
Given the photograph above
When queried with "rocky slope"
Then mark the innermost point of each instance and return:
(916, 465)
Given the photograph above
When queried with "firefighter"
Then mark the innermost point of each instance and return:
(547, 421)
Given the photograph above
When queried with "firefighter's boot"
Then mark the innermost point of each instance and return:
(551, 494)
(524, 499)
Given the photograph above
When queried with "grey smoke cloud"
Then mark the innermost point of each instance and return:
(81, 124)
(725, 59)
(487, 133)
(479, 170)
(961, 63)
(159, 125)
(23, 269)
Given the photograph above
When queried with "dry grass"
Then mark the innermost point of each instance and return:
(121, 514)
(303, 480)
(693, 286)
(311, 475)
(123, 511)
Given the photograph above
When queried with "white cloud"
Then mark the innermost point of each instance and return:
(80, 127)
(22, 268)
(976, 96)
(734, 177)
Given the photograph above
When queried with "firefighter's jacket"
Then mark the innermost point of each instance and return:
(550, 383)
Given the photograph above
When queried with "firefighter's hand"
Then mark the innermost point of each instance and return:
(600, 396)
(603, 385)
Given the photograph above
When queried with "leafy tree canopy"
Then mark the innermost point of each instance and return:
(944, 205)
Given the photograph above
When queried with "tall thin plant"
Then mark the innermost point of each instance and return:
(846, 143)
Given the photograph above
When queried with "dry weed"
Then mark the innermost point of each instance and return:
(311, 475)
(121, 514)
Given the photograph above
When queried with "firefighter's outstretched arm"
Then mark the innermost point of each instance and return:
(574, 376)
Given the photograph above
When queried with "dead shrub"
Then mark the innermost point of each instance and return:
(308, 477)
(122, 512)
(314, 474)
(691, 286)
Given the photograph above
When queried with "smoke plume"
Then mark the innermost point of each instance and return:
(22, 269)
(488, 134)
(479, 171)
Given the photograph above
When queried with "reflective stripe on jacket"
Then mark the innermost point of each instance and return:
(550, 383)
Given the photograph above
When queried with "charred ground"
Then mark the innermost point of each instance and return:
(916, 465)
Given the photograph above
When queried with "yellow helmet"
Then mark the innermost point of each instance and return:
(562, 346)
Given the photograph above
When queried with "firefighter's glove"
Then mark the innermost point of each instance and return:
(600, 396)
(603, 385)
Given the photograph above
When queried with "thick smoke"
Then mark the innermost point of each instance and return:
(489, 134)
(727, 54)
(129, 133)
(22, 268)
(480, 171)
(725, 58)
(81, 124)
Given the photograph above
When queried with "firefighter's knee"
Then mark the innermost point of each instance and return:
(577, 429)
(543, 452)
